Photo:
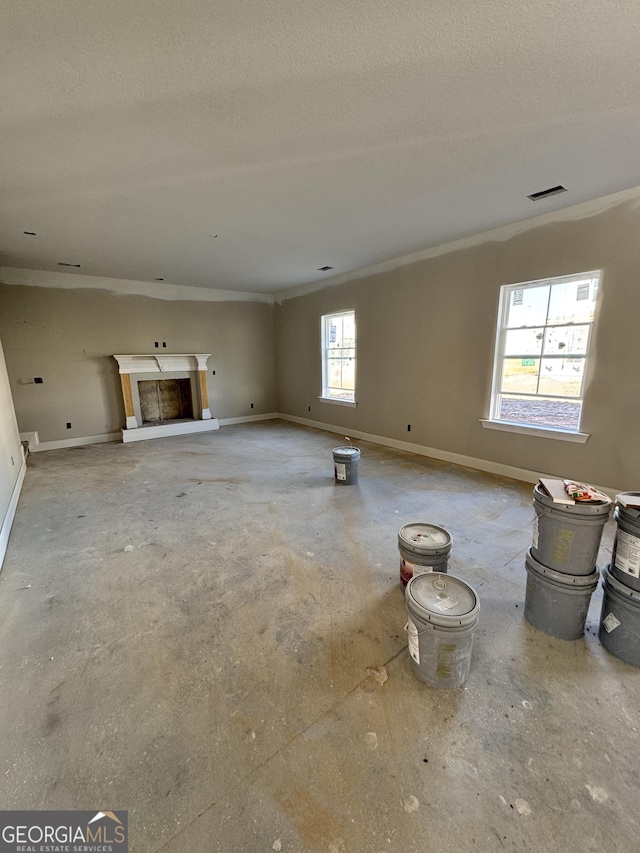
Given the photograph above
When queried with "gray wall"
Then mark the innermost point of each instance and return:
(67, 337)
(10, 449)
(426, 335)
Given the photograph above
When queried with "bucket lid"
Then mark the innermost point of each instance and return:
(578, 508)
(609, 580)
(424, 538)
(440, 595)
(346, 451)
(560, 577)
(630, 511)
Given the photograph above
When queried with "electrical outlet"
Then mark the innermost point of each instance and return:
(408, 427)
(213, 373)
(164, 344)
(68, 424)
(157, 344)
(252, 405)
(37, 380)
(309, 408)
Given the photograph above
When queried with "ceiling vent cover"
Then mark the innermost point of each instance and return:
(547, 193)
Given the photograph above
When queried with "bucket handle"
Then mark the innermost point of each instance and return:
(350, 442)
(424, 630)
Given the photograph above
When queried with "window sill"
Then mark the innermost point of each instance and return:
(351, 403)
(538, 431)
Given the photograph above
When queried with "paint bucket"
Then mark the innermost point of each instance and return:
(423, 548)
(442, 615)
(625, 559)
(345, 465)
(567, 538)
(557, 603)
(620, 619)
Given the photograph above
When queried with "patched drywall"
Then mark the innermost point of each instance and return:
(426, 335)
(67, 338)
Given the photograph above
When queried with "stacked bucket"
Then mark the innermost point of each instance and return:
(423, 548)
(620, 617)
(442, 610)
(561, 565)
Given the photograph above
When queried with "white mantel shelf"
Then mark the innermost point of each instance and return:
(154, 363)
(162, 363)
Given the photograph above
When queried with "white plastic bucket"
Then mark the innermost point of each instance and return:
(442, 615)
(557, 603)
(423, 548)
(625, 559)
(567, 538)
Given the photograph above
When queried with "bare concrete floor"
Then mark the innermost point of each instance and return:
(213, 680)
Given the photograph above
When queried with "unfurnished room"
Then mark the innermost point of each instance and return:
(319, 407)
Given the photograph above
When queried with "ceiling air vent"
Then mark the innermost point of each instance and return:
(63, 264)
(324, 269)
(547, 193)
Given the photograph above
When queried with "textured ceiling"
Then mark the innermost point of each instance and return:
(338, 132)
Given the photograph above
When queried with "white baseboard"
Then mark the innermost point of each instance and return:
(247, 419)
(490, 467)
(7, 521)
(75, 442)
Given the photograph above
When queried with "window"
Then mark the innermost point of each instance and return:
(339, 357)
(542, 346)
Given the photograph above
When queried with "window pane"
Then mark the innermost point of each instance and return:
(566, 340)
(349, 330)
(564, 306)
(335, 372)
(349, 373)
(524, 341)
(334, 337)
(561, 376)
(532, 310)
(520, 374)
(538, 411)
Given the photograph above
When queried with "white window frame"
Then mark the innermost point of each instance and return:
(324, 325)
(493, 421)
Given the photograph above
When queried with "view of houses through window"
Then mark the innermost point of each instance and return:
(542, 346)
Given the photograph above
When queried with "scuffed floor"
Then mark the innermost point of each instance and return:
(212, 679)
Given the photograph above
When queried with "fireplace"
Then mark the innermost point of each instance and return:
(172, 404)
(165, 400)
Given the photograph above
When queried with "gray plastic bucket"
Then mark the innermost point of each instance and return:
(620, 619)
(567, 538)
(442, 615)
(625, 559)
(423, 548)
(345, 465)
(557, 603)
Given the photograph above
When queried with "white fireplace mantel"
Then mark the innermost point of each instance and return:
(161, 363)
(193, 363)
